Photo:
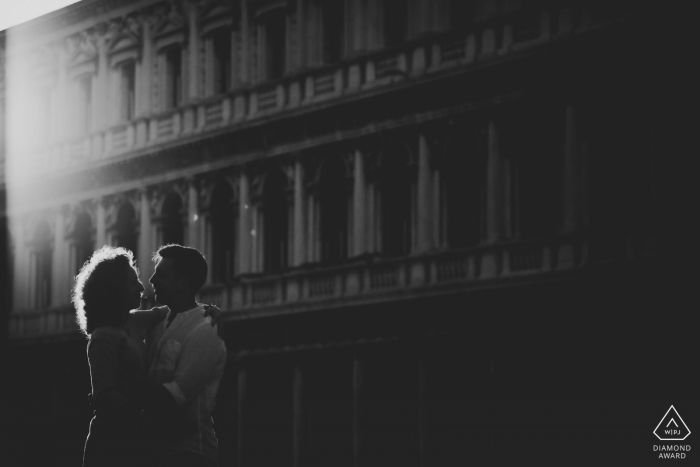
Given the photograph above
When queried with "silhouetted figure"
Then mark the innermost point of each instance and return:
(187, 362)
(106, 289)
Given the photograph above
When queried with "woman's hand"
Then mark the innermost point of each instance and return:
(214, 312)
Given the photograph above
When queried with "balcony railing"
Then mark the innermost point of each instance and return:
(375, 277)
(433, 54)
(371, 278)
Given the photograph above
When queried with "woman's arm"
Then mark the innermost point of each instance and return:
(145, 320)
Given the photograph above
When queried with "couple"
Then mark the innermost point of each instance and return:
(154, 373)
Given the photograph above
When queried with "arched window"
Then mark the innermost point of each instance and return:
(172, 91)
(395, 16)
(40, 266)
(333, 30)
(83, 244)
(218, 44)
(224, 233)
(125, 228)
(619, 178)
(275, 216)
(273, 43)
(395, 181)
(534, 143)
(333, 198)
(173, 230)
(462, 169)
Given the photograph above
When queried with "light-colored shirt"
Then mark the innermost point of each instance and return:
(188, 358)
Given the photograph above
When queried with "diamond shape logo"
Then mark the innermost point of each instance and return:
(672, 427)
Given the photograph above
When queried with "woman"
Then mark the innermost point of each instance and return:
(106, 289)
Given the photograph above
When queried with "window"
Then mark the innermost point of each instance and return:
(125, 228)
(127, 73)
(275, 213)
(534, 144)
(395, 183)
(333, 197)
(333, 19)
(220, 41)
(462, 167)
(274, 24)
(395, 16)
(84, 104)
(172, 224)
(40, 111)
(224, 233)
(83, 244)
(40, 274)
(172, 60)
(461, 14)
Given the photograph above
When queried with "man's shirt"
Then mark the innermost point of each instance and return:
(188, 359)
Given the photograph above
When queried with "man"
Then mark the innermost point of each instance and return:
(187, 361)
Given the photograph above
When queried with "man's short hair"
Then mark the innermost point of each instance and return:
(187, 262)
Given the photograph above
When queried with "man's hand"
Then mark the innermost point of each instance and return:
(214, 312)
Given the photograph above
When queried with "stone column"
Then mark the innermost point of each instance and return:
(245, 43)
(20, 261)
(494, 188)
(235, 59)
(146, 247)
(359, 206)
(299, 221)
(301, 37)
(144, 72)
(101, 227)
(59, 269)
(244, 226)
(193, 217)
(194, 62)
(59, 122)
(574, 194)
(572, 173)
(422, 408)
(255, 240)
(298, 416)
(242, 396)
(357, 392)
(492, 261)
(425, 213)
(100, 102)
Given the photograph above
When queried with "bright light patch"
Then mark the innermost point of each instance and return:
(13, 12)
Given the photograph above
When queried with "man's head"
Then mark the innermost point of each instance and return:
(180, 272)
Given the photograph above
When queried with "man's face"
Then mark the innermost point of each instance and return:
(166, 282)
(134, 290)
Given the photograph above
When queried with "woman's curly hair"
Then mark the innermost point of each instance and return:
(99, 291)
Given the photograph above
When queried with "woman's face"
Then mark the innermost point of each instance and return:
(134, 289)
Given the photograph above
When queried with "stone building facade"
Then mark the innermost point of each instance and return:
(396, 199)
